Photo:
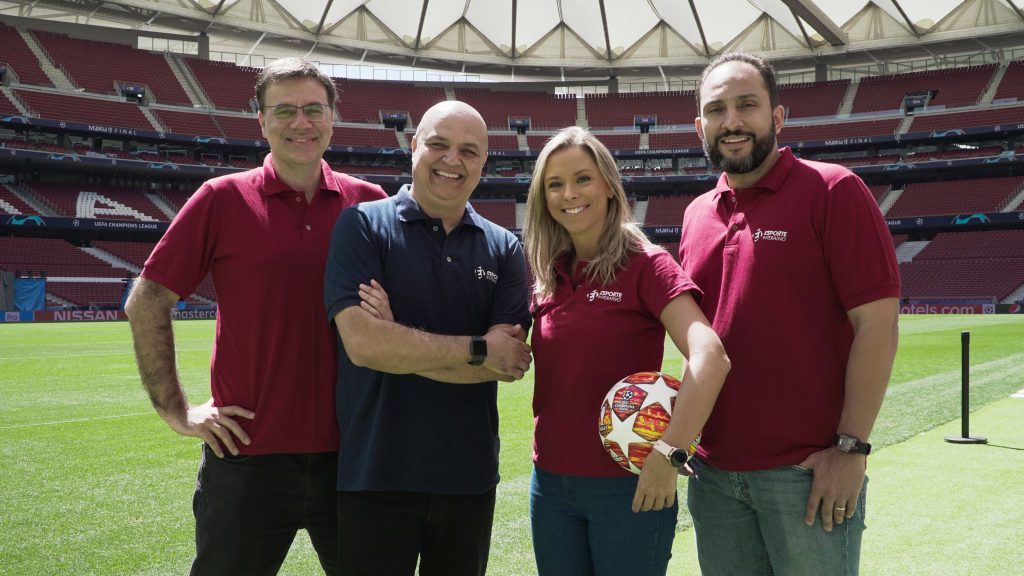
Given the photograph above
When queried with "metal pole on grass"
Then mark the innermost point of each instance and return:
(965, 395)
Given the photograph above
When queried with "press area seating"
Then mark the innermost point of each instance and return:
(546, 111)
(362, 101)
(617, 110)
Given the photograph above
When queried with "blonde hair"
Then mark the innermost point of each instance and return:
(546, 240)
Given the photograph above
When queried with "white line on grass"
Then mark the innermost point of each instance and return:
(128, 352)
(74, 421)
(984, 373)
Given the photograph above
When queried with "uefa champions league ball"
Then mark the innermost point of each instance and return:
(635, 413)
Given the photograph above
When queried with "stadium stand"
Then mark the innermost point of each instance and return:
(812, 99)
(96, 201)
(346, 136)
(618, 110)
(950, 119)
(1012, 84)
(6, 106)
(243, 163)
(20, 58)
(980, 152)
(879, 191)
(838, 130)
(116, 152)
(951, 87)
(502, 142)
(537, 141)
(666, 210)
(622, 141)
(863, 161)
(362, 101)
(990, 279)
(672, 248)
(194, 123)
(227, 86)
(659, 140)
(976, 245)
(501, 212)
(52, 256)
(546, 111)
(11, 204)
(82, 109)
(955, 196)
(134, 252)
(23, 144)
(367, 169)
(951, 266)
(244, 127)
(96, 66)
(88, 294)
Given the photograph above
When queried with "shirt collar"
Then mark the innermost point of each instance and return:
(409, 210)
(562, 270)
(770, 182)
(272, 185)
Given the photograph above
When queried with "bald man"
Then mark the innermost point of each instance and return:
(430, 304)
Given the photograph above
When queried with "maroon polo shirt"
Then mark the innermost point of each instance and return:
(587, 337)
(266, 247)
(780, 264)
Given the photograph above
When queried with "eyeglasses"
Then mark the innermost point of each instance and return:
(288, 112)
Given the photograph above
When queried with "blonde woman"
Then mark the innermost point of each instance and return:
(604, 297)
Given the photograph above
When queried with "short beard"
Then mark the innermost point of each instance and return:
(762, 148)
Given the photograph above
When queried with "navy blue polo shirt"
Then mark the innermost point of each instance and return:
(403, 431)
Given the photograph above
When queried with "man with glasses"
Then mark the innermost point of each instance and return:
(270, 436)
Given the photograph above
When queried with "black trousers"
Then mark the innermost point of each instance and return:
(249, 508)
(384, 533)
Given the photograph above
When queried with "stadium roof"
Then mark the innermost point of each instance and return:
(567, 38)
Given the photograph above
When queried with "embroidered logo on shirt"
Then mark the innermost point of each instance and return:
(604, 295)
(774, 235)
(482, 274)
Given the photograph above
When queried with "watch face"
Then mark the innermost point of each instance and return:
(846, 443)
(677, 458)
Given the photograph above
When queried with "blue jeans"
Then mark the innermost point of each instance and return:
(752, 524)
(585, 526)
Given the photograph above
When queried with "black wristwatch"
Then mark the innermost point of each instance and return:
(676, 457)
(851, 444)
(477, 350)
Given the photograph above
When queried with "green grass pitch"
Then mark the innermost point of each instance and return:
(93, 482)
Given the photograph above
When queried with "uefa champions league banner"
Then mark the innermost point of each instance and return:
(16, 224)
(17, 121)
(980, 221)
(837, 143)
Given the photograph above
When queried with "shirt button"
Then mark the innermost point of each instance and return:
(435, 228)
(449, 258)
(733, 199)
(298, 199)
(735, 227)
(308, 227)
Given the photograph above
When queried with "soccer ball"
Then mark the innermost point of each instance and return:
(635, 413)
